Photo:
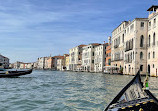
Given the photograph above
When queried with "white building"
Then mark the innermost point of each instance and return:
(135, 46)
(100, 57)
(152, 50)
(41, 62)
(88, 57)
(75, 58)
(117, 46)
(60, 63)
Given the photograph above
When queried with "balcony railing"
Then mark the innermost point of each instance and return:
(116, 46)
(128, 61)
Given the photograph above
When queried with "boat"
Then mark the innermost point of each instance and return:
(111, 70)
(134, 97)
(14, 73)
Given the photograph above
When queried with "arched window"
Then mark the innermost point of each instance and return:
(133, 55)
(149, 40)
(154, 39)
(149, 55)
(141, 40)
(123, 38)
(132, 43)
(141, 55)
(153, 54)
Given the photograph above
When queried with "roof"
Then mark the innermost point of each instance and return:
(59, 57)
(153, 7)
(95, 44)
(82, 45)
(66, 54)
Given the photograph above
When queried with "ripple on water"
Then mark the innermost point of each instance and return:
(62, 91)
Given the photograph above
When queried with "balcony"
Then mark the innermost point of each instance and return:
(118, 59)
(144, 46)
(128, 61)
(116, 46)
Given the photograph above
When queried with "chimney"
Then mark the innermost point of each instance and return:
(109, 40)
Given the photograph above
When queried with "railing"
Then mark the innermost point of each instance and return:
(116, 46)
(128, 61)
(144, 46)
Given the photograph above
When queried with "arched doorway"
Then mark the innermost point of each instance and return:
(148, 69)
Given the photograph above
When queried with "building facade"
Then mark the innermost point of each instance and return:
(41, 62)
(75, 58)
(60, 63)
(108, 55)
(135, 46)
(100, 57)
(4, 61)
(117, 46)
(152, 50)
(88, 57)
(67, 62)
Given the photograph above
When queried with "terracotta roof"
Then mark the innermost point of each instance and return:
(82, 45)
(95, 44)
(59, 57)
(66, 54)
(153, 7)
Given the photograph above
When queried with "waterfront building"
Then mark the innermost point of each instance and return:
(99, 57)
(54, 62)
(35, 65)
(88, 57)
(108, 53)
(5, 61)
(75, 58)
(41, 62)
(49, 62)
(16, 65)
(152, 50)
(117, 46)
(46, 62)
(60, 63)
(135, 46)
(66, 61)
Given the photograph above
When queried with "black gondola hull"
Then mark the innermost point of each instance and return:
(15, 73)
(133, 98)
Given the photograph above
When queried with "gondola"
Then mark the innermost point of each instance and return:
(133, 97)
(14, 73)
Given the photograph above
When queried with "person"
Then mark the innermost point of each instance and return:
(146, 84)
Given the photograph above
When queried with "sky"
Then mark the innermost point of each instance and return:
(36, 28)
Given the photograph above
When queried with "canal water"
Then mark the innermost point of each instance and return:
(62, 91)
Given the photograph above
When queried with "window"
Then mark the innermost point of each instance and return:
(142, 24)
(93, 53)
(132, 27)
(154, 21)
(141, 67)
(133, 55)
(141, 40)
(123, 38)
(149, 55)
(149, 40)
(153, 54)
(92, 61)
(149, 24)
(109, 61)
(141, 55)
(153, 65)
(153, 39)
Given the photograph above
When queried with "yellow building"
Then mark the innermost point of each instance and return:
(67, 62)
